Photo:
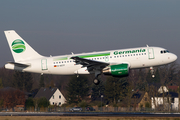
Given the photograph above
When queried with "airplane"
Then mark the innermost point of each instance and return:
(116, 63)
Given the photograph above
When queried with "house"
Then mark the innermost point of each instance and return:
(168, 88)
(54, 95)
(140, 99)
(163, 88)
(171, 100)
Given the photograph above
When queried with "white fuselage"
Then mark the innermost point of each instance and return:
(64, 65)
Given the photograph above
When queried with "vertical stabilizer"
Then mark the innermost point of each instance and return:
(20, 50)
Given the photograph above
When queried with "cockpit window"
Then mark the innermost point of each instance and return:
(164, 51)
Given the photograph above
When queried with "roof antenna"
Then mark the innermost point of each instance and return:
(147, 45)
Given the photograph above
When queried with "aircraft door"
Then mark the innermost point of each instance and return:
(44, 64)
(150, 53)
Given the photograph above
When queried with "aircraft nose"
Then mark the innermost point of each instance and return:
(173, 57)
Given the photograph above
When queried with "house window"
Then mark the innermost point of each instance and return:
(172, 100)
(145, 98)
(59, 103)
(53, 96)
(53, 103)
(59, 96)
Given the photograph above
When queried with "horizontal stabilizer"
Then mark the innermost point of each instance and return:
(19, 64)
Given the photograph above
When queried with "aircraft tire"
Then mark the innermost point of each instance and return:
(96, 81)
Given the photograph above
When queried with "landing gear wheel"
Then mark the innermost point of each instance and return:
(96, 81)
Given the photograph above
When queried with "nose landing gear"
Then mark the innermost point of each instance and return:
(152, 72)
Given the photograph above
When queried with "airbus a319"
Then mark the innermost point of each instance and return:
(112, 62)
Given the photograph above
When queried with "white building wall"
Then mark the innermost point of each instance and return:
(57, 98)
(175, 104)
(159, 101)
(162, 88)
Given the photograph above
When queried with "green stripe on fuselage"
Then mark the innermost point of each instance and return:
(61, 58)
(94, 55)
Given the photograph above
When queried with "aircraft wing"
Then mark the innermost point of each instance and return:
(90, 64)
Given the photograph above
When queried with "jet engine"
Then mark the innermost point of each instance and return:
(120, 70)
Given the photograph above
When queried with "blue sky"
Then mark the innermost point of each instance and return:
(57, 27)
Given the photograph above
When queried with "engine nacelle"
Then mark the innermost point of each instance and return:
(120, 70)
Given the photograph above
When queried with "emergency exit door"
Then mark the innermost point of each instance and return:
(150, 53)
(44, 64)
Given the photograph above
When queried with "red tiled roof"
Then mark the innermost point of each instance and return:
(173, 87)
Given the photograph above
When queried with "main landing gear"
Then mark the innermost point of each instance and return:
(96, 80)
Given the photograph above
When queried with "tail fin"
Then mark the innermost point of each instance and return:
(20, 50)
